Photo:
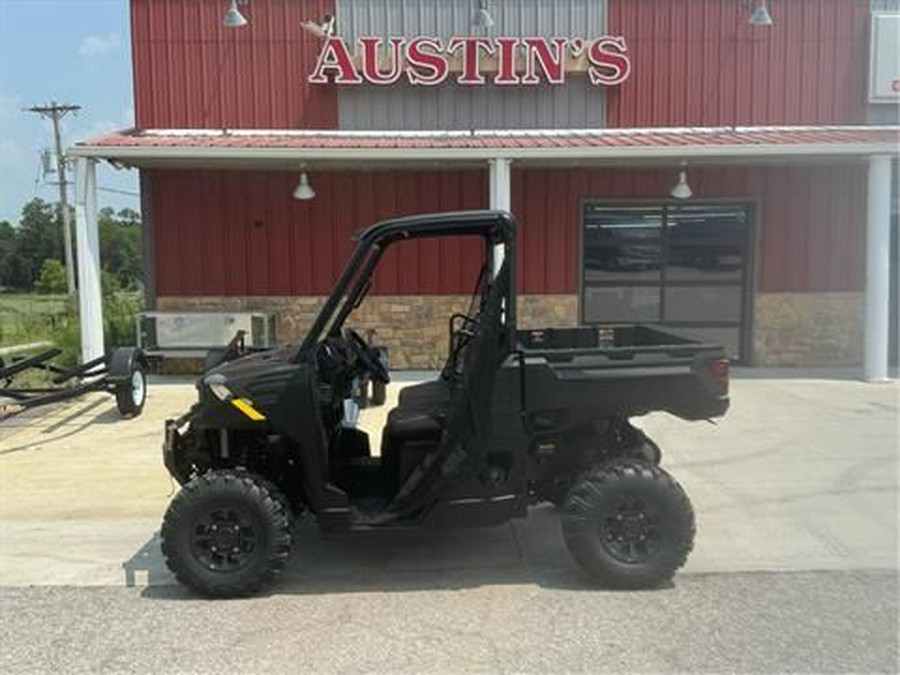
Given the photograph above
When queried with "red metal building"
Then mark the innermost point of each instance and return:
(785, 132)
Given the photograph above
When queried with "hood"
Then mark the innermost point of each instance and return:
(260, 377)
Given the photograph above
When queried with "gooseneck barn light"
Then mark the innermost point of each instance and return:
(682, 190)
(483, 18)
(304, 190)
(233, 17)
(760, 16)
(320, 30)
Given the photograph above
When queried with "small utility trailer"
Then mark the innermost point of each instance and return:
(122, 373)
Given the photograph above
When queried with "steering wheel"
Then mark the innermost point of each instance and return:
(368, 356)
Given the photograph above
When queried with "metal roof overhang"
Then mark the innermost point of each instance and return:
(285, 149)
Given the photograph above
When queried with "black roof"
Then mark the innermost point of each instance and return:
(499, 224)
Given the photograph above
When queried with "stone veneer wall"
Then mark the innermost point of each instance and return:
(808, 329)
(790, 329)
(414, 328)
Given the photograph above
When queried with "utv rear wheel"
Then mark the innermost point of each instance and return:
(629, 525)
(227, 534)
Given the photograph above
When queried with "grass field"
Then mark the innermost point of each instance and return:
(29, 317)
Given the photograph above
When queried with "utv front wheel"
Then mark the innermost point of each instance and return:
(629, 525)
(227, 534)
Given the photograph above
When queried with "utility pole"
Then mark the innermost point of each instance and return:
(55, 113)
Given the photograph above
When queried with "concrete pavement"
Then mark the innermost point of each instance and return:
(794, 567)
(800, 475)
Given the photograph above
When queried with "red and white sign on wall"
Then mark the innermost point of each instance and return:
(472, 61)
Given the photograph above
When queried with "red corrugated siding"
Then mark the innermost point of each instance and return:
(241, 233)
(810, 224)
(192, 72)
(700, 62)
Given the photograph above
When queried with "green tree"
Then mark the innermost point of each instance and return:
(120, 245)
(9, 263)
(52, 279)
(39, 238)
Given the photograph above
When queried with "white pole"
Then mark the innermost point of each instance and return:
(878, 239)
(500, 196)
(87, 243)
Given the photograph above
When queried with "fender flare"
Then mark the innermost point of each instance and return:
(123, 361)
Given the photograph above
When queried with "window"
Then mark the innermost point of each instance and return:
(683, 266)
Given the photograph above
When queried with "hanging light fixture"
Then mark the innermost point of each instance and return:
(681, 189)
(233, 17)
(304, 190)
(320, 30)
(483, 18)
(760, 15)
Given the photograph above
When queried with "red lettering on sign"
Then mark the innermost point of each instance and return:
(538, 52)
(371, 46)
(431, 62)
(506, 60)
(335, 57)
(610, 64)
(471, 57)
(427, 61)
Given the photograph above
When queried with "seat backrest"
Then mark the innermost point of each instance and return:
(463, 443)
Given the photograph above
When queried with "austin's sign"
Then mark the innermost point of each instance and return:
(472, 61)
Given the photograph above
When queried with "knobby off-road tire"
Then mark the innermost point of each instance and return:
(629, 525)
(647, 451)
(227, 533)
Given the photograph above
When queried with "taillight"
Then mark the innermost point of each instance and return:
(719, 370)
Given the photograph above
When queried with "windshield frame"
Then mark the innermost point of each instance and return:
(494, 227)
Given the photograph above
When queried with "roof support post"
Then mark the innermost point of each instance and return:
(878, 240)
(87, 243)
(500, 196)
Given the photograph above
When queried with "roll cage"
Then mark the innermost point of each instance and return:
(497, 229)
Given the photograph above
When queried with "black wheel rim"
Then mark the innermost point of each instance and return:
(631, 532)
(224, 540)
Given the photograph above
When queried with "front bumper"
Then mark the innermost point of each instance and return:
(173, 450)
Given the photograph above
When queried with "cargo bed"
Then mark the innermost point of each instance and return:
(623, 371)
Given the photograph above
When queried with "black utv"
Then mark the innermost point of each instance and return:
(515, 418)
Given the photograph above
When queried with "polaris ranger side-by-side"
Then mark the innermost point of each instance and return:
(515, 418)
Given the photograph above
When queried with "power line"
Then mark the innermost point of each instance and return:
(55, 112)
(119, 192)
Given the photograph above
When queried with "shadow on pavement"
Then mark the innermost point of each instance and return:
(526, 552)
(80, 420)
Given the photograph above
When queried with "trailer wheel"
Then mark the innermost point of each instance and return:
(629, 525)
(131, 393)
(227, 534)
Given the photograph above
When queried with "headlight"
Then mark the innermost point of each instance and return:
(216, 384)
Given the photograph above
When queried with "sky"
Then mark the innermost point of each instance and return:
(70, 51)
